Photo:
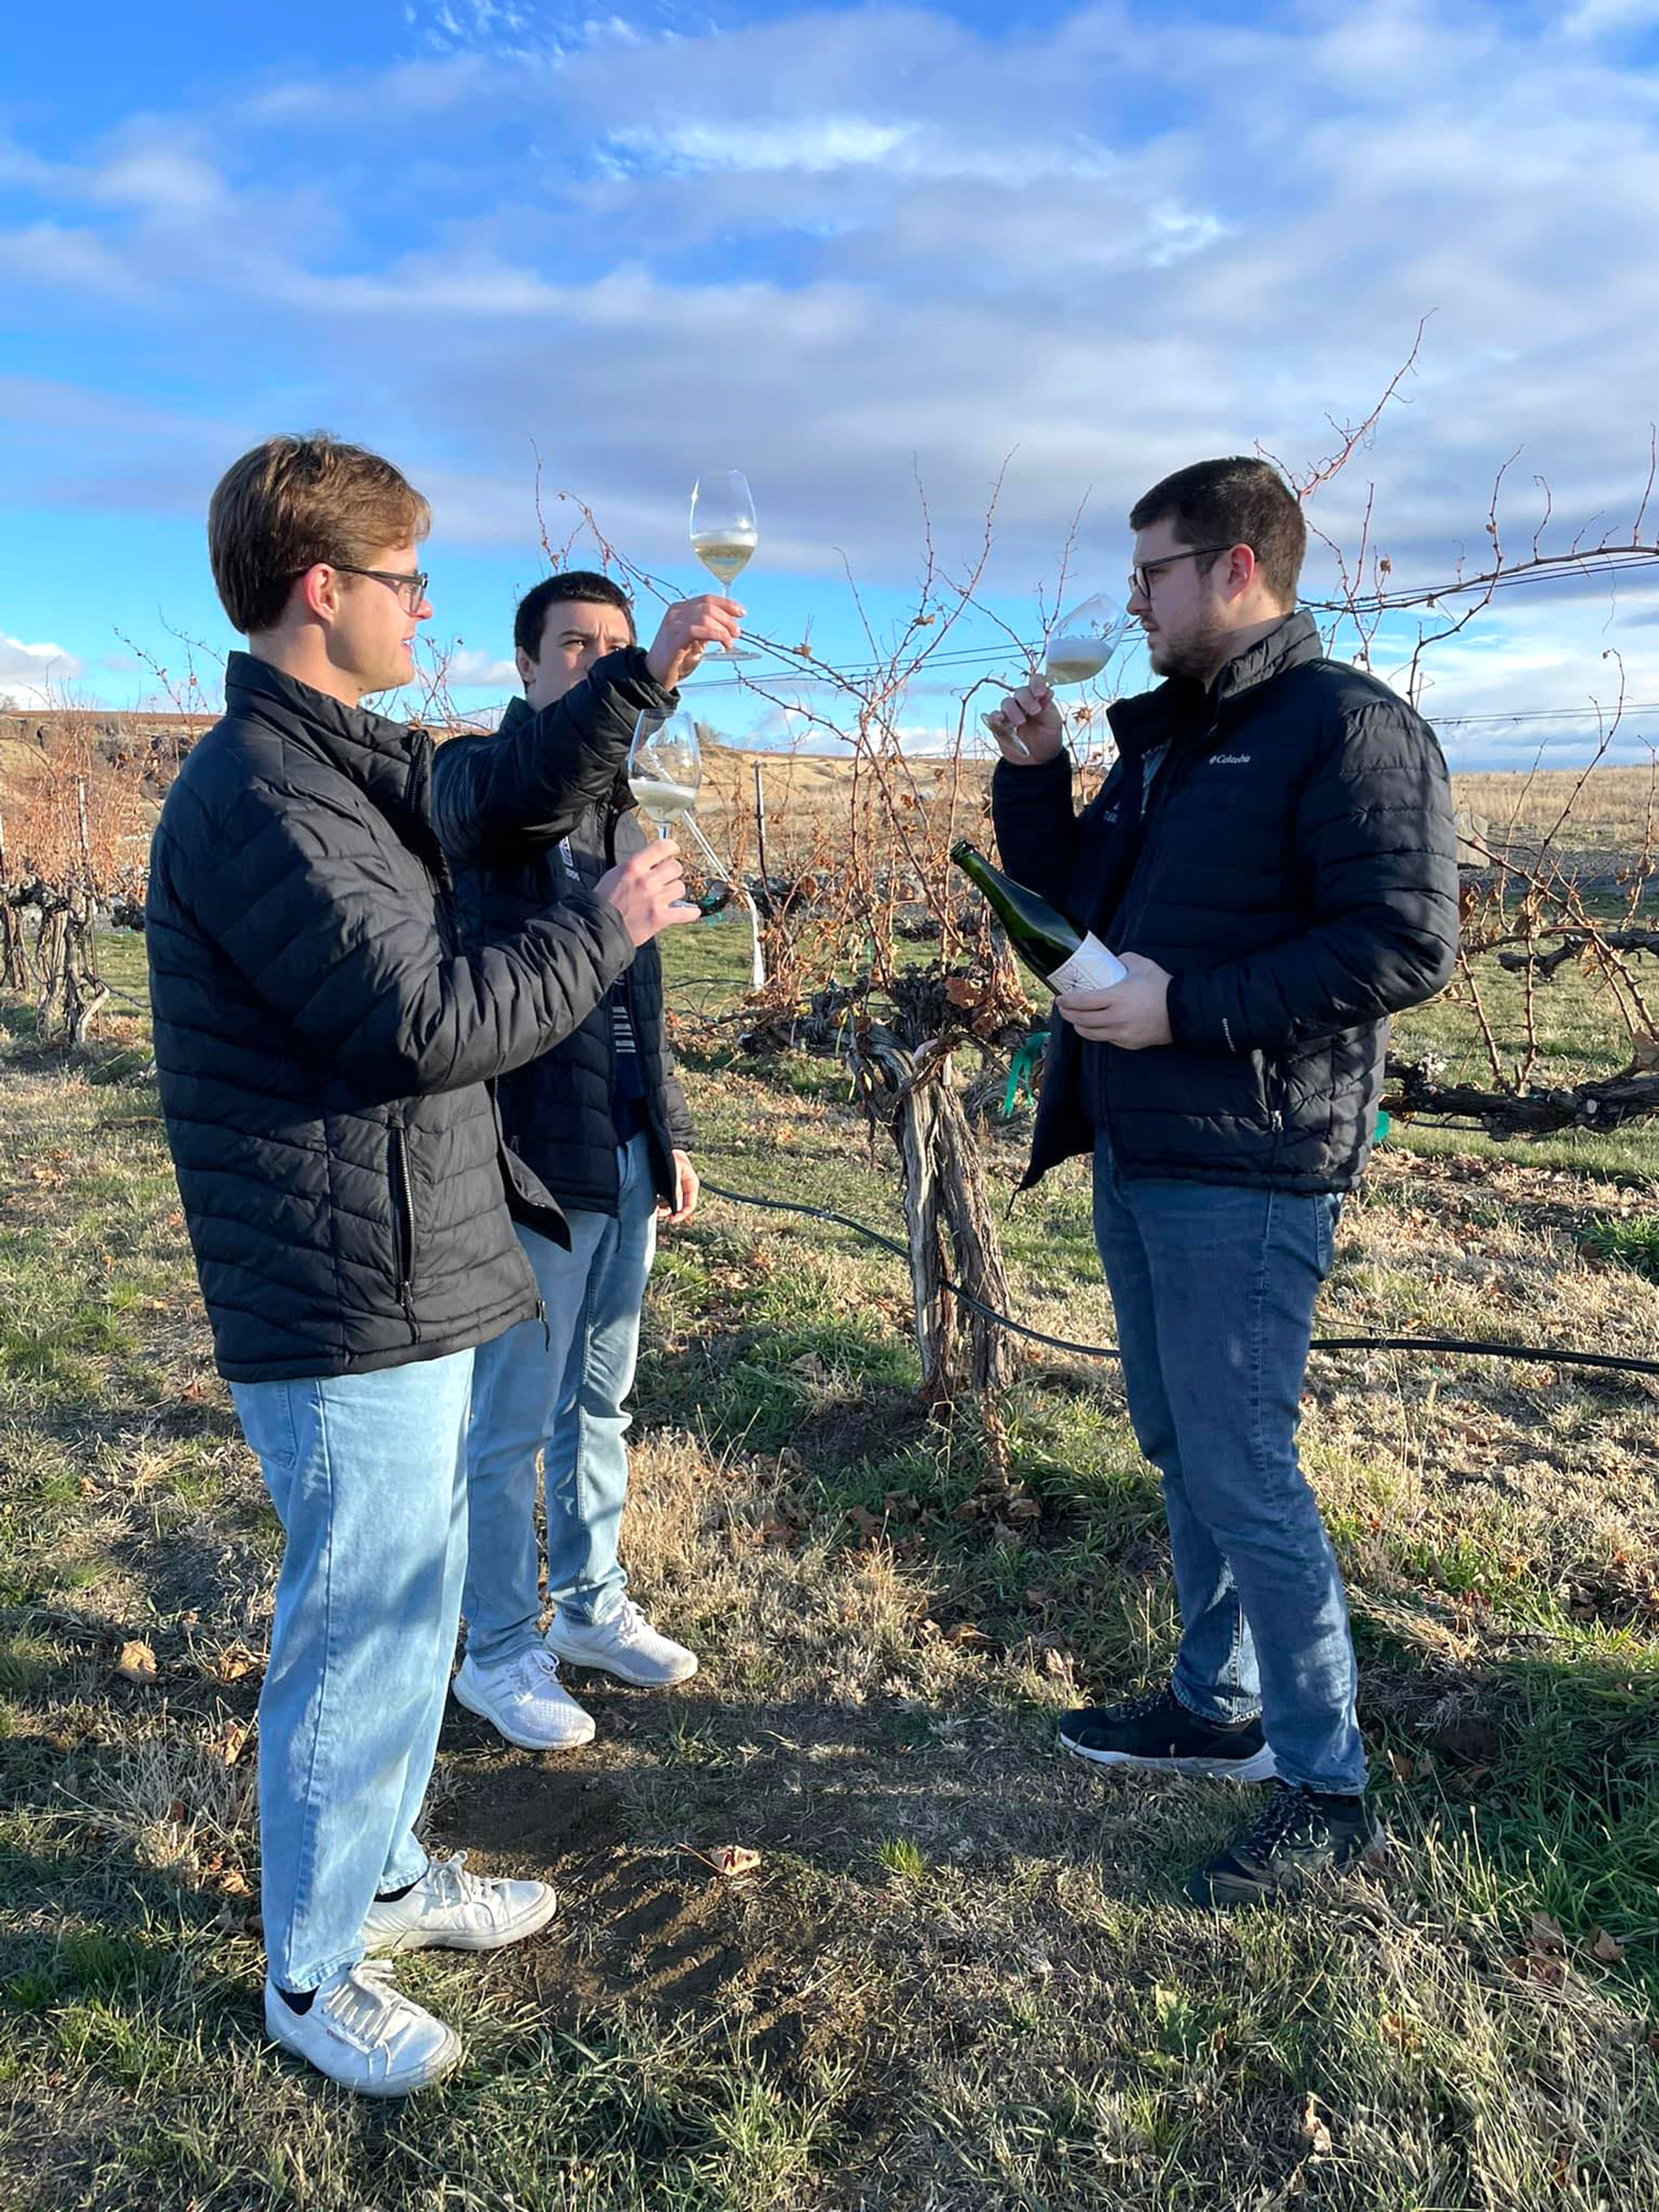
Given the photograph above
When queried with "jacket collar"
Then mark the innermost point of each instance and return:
(390, 762)
(1179, 709)
(1290, 644)
(374, 752)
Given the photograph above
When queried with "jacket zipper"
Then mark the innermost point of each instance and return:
(404, 1207)
(1169, 772)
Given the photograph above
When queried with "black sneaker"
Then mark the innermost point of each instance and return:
(1297, 1835)
(1159, 1732)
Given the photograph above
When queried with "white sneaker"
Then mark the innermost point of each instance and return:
(525, 1700)
(626, 1645)
(451, 1910)
(364, 2034)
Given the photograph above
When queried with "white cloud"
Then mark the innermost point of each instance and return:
(1595, 19)
(814, 243)
(467, 669)
(34, 675)
(160, 180)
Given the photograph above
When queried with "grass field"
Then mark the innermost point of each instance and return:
(962, 1975)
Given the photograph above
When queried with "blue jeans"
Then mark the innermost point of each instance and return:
(1213, 1289)
(559, 1392)
(368, 1475)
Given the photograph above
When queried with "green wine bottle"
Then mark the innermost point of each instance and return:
(1066, 957)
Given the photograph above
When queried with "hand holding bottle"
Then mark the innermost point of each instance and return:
(1027, 726)
(1133, 1015)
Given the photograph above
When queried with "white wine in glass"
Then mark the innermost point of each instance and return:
(1084, 640)
(723, 532)
(1079, 646)
(664, 766)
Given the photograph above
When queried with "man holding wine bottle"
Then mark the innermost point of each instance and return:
(1272, 859)
(601, 1120)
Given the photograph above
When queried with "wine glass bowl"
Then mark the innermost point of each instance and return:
(723, 530)
(664, 766)
(1084, 640)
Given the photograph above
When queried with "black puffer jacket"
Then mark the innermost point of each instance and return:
(557, 1111)
(1296, 872)
(325, 1041)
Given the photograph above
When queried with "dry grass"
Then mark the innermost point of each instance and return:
(962, 1976)
(1610, 808)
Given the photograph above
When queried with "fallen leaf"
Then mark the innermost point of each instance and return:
(1314, 2131)
(734, 1859)
(1608, 1948)
(232, 1740)
(138, 1662)
(1544, 1936)
(234, 1883)
(1404, 2034)
(1401, 1767)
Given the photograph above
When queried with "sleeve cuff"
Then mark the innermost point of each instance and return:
(1008, 778)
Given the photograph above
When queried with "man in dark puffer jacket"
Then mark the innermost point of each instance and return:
(1273, 859)
(602, 1122)
(325, 1044)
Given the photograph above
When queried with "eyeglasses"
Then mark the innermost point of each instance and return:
(409, 585)
(1140, 574)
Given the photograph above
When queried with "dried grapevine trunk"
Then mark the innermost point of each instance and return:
(945, 1197)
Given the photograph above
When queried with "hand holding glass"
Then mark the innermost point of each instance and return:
(1080, 645)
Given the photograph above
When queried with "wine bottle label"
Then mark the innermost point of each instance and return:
(1090, 968)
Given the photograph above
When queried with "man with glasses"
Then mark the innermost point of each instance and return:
(325, 1041)
(1272, 858)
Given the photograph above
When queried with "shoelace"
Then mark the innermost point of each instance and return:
(451, 1883)
(1283, 1810)
(538, 1670)
(1149, 1702)
(358, 2006)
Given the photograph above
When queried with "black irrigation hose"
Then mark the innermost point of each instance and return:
(1545, 1354)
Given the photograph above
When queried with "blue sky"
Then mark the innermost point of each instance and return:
(841, 248)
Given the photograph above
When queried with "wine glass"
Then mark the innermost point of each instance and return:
(1079, 646)
(1082, 642)
(723, 532)
(664, 765)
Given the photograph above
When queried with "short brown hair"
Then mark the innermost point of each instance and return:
(294, 501)
(1236, 502)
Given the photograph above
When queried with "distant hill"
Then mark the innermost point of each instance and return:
(1614, 812)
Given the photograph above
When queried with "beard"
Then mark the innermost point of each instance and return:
(1197, 652)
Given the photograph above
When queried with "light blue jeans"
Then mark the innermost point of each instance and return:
(1213, 1291)
(560, 1392)
(368, 1475)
